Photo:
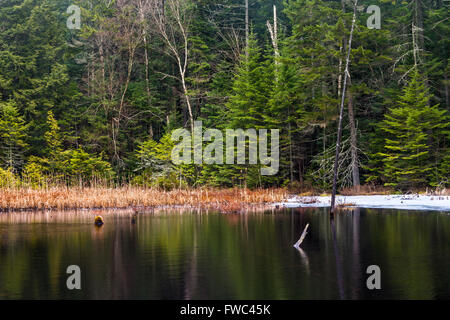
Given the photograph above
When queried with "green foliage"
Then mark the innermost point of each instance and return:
(82, 167)
(76, 103)
(12, 137)
(155, 167)
(8, 179)
(412, 128)
(65, 166)
(35, 171)
(251, 90)
(52, 136)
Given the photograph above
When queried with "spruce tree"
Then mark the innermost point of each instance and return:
(252, 88)
(53, 136)
(12, 137)
(248, 108)
(411, 127)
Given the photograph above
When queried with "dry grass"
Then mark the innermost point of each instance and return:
(59, 198)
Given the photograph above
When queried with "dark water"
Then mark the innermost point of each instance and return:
(226, 256)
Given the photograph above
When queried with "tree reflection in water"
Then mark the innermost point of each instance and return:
(207, 255)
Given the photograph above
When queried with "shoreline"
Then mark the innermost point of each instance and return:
(233, 200)
(253, 207)
(390, 201)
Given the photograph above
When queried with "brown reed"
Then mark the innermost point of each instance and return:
(61, 198)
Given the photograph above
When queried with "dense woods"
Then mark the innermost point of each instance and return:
(97, 105)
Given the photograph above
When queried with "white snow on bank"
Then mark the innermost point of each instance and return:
(408, 202)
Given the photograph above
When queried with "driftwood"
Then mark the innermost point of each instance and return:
(302, 237)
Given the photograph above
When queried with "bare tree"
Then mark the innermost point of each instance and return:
(144, 10)
(273, 30)
(351, 117)
(414, 40)
(128, 39)
(339, 134)
(113, 40)
(227, 21)
(172, 22)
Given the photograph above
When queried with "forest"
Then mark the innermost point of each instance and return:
(90, 91)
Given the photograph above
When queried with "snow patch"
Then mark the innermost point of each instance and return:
(408, 202)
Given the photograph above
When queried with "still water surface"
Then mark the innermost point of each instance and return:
(197, 255)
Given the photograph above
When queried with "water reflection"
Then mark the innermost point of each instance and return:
(204, 255)
(340, 279)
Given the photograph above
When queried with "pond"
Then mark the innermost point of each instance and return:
(200, 255)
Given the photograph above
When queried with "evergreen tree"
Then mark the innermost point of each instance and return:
(411, 127)
(34, 75)
(252, 87)
(12, 137)
(53, 136)
(248, 108)
(112, 88)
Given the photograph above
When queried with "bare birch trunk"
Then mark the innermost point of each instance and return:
(339, 137)
(170, 35)
(274, 37)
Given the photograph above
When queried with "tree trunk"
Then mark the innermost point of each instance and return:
(131, 51)
(144, 37)
(188, 103)
(274, 37)
(353, 139)
(247, 41)
(339, 137)
(172, 37)
(341, 47)
(419, 23)
(291, 163)
(446, 89)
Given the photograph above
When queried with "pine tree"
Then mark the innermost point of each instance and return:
(248, 108)
(252, 89)
(411, 128)
(53, 136)
(12, 137)
(34, 74)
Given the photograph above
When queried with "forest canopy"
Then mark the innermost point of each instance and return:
(93, 99)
